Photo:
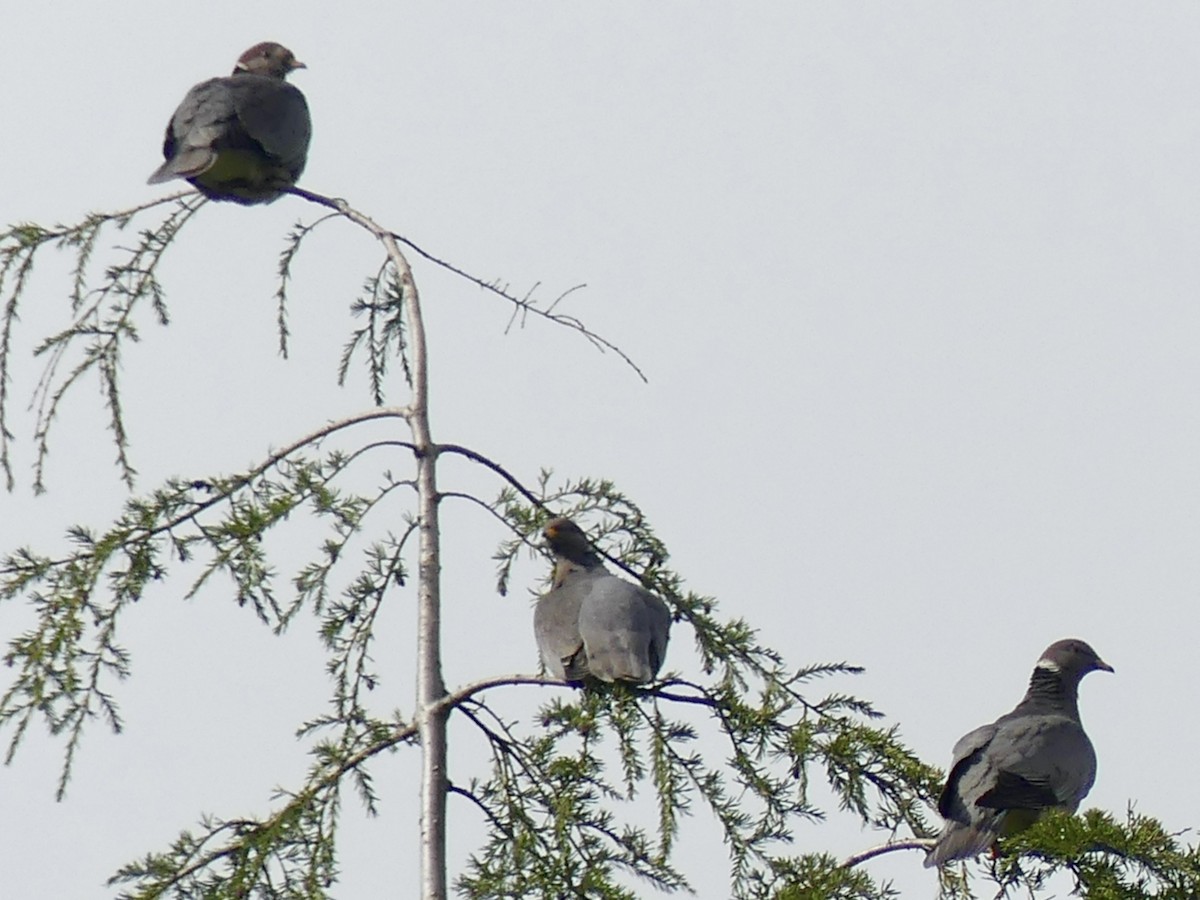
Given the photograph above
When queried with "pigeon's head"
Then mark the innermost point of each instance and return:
(1072, 658)
(566, 539)
(269, 59)
(568, 542)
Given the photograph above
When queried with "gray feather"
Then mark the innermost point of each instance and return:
(556, 628)
(625, 629)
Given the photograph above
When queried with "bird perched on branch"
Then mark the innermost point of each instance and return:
(243, 137)
(592, 623)
(1006, 775)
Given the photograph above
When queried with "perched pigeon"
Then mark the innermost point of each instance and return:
(244, 137)
(1005, 775)
(593, 623)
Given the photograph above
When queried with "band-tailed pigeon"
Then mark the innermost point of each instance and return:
(243, 137)
(1035, 758)
(593, 623)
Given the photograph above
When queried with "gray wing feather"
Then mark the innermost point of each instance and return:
(969, 830)
(625, 630)
(972, 742)
(274, 115)
(1052, 752)
(195, 127)
(1019, 762)
(660, 629)
(556, 627)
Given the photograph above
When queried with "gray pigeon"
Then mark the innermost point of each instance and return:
(593, 623)
(1037, 757)
(243, 137)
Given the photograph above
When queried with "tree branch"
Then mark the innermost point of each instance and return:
(890, 847)
(523, 306)
(498, 469)
(272, 459)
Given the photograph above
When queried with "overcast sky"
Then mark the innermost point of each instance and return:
(916, 288)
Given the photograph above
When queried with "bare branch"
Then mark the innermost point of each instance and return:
(467, 691)
(498, 469)
(523, 305)
(890, 847)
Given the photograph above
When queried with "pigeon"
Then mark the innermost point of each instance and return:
(243, 137)
(592, 623)
(1035, 758)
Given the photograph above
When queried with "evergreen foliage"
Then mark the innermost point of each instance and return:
(585, 799)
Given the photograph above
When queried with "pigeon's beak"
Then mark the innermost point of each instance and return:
(1103, 666)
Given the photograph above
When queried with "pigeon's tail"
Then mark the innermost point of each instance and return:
(187, 164)
(960, 841)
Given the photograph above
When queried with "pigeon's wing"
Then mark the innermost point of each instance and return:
(1030, 762)
(556, 627)
(273, 117)
(1042, 762)
(622, 634)
(194, 131)
(969, 764)
(969, 830)
(1012, 791)
(659, 617)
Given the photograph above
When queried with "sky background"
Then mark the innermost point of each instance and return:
(915, 287)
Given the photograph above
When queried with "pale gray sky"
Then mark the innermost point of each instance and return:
(915, 286)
